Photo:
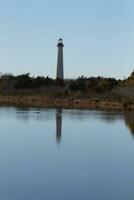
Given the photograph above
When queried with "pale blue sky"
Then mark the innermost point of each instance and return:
(98, 37)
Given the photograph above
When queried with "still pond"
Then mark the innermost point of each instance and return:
(54, 154)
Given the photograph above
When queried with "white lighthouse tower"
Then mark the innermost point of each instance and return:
(60, 72)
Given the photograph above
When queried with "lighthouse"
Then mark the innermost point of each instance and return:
(60, 72)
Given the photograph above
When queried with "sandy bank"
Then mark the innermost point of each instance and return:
(43, 101)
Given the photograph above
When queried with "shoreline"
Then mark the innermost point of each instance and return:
(47, 102)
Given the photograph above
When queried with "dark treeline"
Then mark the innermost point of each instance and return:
(25, 81)
(83, 86)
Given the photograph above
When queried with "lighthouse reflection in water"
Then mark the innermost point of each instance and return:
(58, 125)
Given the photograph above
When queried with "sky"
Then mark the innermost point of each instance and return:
(98, 37)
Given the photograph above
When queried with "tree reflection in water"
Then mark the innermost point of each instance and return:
(82, 115)
(129, 120)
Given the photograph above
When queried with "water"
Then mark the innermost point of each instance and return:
(48, 154)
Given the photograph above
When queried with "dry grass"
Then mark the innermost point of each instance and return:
(44, 101)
